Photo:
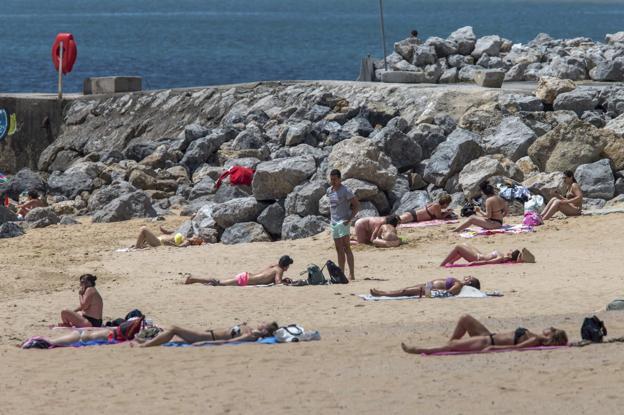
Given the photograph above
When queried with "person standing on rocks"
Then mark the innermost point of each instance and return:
(343, 206)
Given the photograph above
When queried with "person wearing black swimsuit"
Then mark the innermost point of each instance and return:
(495, 210)
(481, 339)
(432, 211)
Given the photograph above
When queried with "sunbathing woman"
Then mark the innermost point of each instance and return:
(148, 238)
(475, 257)
(495, 210)
(89, 313)
(379, 231)
(450, 284)
(432, 211)
(237, 333)
(481, 339)
(571, 205)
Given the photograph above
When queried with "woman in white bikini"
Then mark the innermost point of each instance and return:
(571, 205)
(239, 333)
(475, 257)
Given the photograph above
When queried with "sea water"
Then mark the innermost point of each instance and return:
(179, 43)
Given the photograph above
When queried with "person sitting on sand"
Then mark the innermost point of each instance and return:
(274, 274)
(571, 205)
(238, 333)
(148, 238)
(379, 231)
(436, 210)
(450, 284)
(480, 339)
(475, 257)
(89, 313)
(32, 202)
(495, 210)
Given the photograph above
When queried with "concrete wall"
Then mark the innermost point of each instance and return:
(38, 119)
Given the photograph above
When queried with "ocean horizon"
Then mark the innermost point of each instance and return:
(184, 43)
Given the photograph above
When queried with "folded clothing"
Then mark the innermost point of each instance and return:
(506, 229)
(427, 223)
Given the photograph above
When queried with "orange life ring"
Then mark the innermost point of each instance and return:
(70, 52)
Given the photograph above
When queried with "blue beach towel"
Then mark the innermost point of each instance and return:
(264, 340)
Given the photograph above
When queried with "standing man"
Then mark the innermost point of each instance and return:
(343, 206)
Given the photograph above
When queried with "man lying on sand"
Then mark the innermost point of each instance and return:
(481, 339)
(238, 333)
(274, 274)
(475, 257)
(89, 313)
(450, 284)
(148, 238)
(379, 231)
(432, 211)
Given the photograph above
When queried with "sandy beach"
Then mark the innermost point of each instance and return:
(357, 367)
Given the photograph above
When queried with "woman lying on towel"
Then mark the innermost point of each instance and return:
(450, 284)
(480, 339)
(495, 210)
(475, 257)
(379, 231)
(432, 211)
(147, 238)
(571, 204)
(237, 333)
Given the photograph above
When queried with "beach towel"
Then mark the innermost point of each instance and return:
(466, 292)
(472, 264)
(425, 224)
(264, 340)
(506, 229)
(495, 351)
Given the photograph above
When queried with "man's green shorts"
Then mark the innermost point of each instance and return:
(340, 230)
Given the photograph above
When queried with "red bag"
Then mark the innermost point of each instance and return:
(238, 175)
(128, 329)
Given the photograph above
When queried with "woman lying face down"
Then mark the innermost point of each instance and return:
(480, 339)
(378, 231)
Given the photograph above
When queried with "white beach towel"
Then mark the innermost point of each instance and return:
(466, 292)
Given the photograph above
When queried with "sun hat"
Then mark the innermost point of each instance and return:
(527, 256)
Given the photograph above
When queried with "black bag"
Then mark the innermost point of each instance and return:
(593, 329)
(335, 273)
(315, 275)
(468, 209)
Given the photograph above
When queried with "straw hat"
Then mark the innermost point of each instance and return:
(527, 256)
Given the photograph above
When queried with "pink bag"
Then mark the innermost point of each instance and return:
(532, 218)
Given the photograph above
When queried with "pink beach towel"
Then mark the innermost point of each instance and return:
(495, 351)
(506, 230)
(425, 224)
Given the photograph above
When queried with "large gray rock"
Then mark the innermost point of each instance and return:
(78, 178)
(413, 200)
(106, 194)
(616, 125)
(567, 67)
(567, 146)
(424, 55)
(204, 225)
(204, 187)
(275, 179)
(608, 70)
(304, 199)
(515, 102)
(24, 181)
(465, 40)
(272, 219)
(298, 133)
(548, 88)
(579, 101)
(616, 202)
(367, 210)
(296, 227)
(6, 215)
(41, 217)
(359, 158)
(428, 137)
(127, 206)
(403, 77)
(10, 230)
(403, 150)
(546, 184)
(361, 189)
(475, 172)
(511, 138)
(245, 232)
(202, 149)
(234, 211)
(460, 148)
(490, 78)
(443, 48)
(487, 44)
(596, 179)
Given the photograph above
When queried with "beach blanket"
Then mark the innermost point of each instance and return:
(506, 229)
(495, 351)
(425, 224)
(264, 340)
(466, 292)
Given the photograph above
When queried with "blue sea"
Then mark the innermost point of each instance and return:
(179, 43)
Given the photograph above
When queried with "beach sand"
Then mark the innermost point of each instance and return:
(357, 367)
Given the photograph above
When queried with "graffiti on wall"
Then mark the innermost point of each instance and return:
(8, 124)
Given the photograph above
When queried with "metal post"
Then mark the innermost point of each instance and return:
(60, 74)
(383, 33)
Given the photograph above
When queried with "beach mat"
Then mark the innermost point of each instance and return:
(466, 292)
(264, 340)
(505, 230)
(426, 224)
(495, 351)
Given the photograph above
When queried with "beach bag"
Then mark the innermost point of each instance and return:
(593, 329)
(532, 218)
(535, 203)
(127, 330)
(239, 175)
(335, 273)
(294, 333)
(467, 210)
(315, 275)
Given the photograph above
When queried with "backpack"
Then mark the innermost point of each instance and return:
(593, 329)
(467, 210)
(315, 275)
(335, 273)
(239, 175)
(127, 330)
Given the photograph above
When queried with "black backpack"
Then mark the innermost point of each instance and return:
(315, 275)
(467, 210)
(593, 329)
(335, 273)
